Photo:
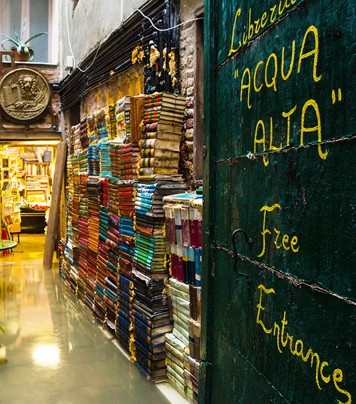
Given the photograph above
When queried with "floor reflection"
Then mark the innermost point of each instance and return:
(52, 350)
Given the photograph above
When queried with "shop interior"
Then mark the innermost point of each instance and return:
(27, 170)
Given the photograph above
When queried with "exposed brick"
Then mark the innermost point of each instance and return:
(190, 102)
(190, 91)
(189, 134)
(189, 112)
(189, 123)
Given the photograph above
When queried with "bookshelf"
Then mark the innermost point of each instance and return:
(36, 182)
(10, 198)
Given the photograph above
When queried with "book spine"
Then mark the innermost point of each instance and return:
(178, 224)
(180, 269)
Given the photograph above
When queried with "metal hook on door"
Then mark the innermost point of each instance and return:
(249, 241)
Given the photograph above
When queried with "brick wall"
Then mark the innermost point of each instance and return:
(189, 85)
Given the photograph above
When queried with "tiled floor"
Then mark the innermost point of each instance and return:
(56, 351)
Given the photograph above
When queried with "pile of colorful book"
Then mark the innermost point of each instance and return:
(68, 261)
(93, 160)
(112, 242)
(93, 241)
(124, 311)
(76, 145)
(192, 356)
(161, 135)
(183, 213)
(115, 159)
(83, 135)
(177, 342)
(100, 123)
(128, 157)
(83, 236)
(105, 161)
(123, 126)
(149, 277)
(111, 122)
(103, 248)
(92, 132)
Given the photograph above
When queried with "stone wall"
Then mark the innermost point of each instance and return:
(191, 85)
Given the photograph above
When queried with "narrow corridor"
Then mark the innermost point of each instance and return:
(55, 350)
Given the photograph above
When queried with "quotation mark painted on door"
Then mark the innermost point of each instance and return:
(338, 96)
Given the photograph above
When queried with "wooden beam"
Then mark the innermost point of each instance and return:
(52, 226)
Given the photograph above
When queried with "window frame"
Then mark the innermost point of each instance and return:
(52, 56)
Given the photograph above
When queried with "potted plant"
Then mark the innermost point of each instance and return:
(22, 51)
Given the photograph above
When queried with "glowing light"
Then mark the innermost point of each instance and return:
(46, 355)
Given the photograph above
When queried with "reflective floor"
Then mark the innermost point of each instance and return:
(52, 350)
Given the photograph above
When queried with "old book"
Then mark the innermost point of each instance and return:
(168, 154)
(159, 144)
(158, 162)
(162, 127)
(137, 107)
(157, 170)
(165, 135)
(153, 331)
(162, 98)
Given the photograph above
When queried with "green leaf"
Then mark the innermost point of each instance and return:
(35, 36)
(8, 38)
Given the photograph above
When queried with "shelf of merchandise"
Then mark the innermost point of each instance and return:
(37, 182)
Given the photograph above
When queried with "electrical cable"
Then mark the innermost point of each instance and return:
(170, 28)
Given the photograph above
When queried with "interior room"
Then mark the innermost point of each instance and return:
(26, 182)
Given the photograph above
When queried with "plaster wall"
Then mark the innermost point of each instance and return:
(127, 83)
(88, 24)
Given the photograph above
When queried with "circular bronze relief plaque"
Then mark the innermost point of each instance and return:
(24, 94)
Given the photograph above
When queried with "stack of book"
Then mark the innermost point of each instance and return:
(183, 214)
(93, 241)
(127, 227)
(68, 263)
(149, 275)
(76, 146)
(111, 121)
(175, 360)
(92, 130)
(104, 191)
(83, 161)
(115, 159)
(161, 135)
(75, 218)
(179, 301)
(83, 239)
(105, 162)
(100, 122)
(103, 249)
(124, 313)
(112, 242)
(93, 160)
(150, 302)
(126, 262)
(192, 356)
(99, 297)
(129, 156)
(123, 127)
(84, 140)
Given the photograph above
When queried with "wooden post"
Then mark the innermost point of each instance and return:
(52, 226)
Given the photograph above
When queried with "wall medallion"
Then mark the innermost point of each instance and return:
(24, 94)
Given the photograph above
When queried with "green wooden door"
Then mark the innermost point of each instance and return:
(280, 151)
